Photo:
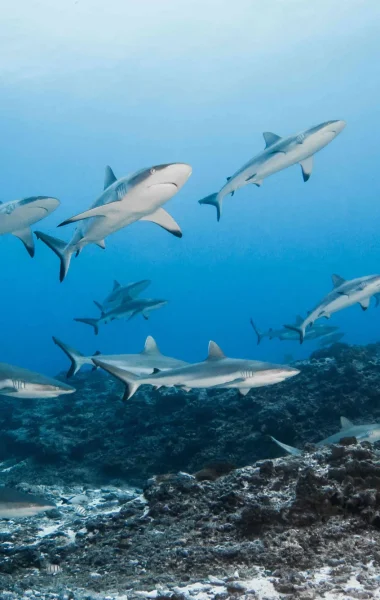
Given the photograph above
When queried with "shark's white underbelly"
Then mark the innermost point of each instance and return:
(21, 218)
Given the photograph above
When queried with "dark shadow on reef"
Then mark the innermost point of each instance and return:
(93, 437)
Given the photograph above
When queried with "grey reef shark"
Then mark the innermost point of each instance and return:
(217, 371)
(143, 363)
(363, 433)
(121, 294)
(278, 154)
(18, 216)
(130, 308)
(137, 197)
(345, 293)
(285, 334)
(17, 505)
(22, 383)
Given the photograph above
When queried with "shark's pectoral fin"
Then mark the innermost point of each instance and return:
(306, 167)
(101, 244)
(365, 303)
(8, 390)
(164, 220)
(146, 317)
(98, 211)
(25, 235)
(244, 391)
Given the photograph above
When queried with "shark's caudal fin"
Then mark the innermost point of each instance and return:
(288, 449)
(130, 380)
(214, 200)
(92, 322)
(76, 357)
(60, 249)
(299, 330)
(257, 332)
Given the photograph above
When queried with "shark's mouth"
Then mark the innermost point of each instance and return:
(163, 183)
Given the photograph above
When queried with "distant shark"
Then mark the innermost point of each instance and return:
(363, 433)
(217, 371)
(122, 294)
(22, 383)
(279, 153)
(131, 308)
(17, 217)
(285, 334)
(344, 294)
(143, 363)
(16, 505)
(331, 338)
(138, 197)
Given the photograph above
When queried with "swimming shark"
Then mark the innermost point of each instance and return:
(363, 433)
(121, 294)
(331, 338)
(144, 363)
(344, 294)
(16, 505)
(279, 153)
(16, 217)
(22, 383)
(288, 335)
(131, 308)
(217, 371)
(137, 197)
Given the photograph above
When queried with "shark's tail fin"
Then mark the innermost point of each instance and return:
(60, 249)
(130, 380)
(288, 449)
(299, 330)
(77, 358)
(214, 200)
(257, 332)
(92, 322)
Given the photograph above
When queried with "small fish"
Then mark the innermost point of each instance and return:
(53, 569)
(80, 510)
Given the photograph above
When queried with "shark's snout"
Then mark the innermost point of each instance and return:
(175, 173)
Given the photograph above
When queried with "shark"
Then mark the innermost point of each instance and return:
(21, 383)
(16, 505)
(121, 294)
(312, 333)
(331, 338)
(137, 197)
(143, 363)
(278, 154)
(16, 217)
(363, 433)
(130, 308)
(345, 293)
(217, 371)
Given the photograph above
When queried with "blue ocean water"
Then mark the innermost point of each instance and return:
(86, 84)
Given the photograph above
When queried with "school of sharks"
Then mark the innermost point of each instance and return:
(141, 197)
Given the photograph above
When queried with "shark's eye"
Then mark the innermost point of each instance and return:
(152, 171)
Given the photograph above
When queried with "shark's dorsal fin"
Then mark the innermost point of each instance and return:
(270, 138)
(299, 319)
(337, 280)
(97, 353)
(150, 346)
(214, 352)
(109, 177)
(155, 371)
(116, 285)
(345, 423)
